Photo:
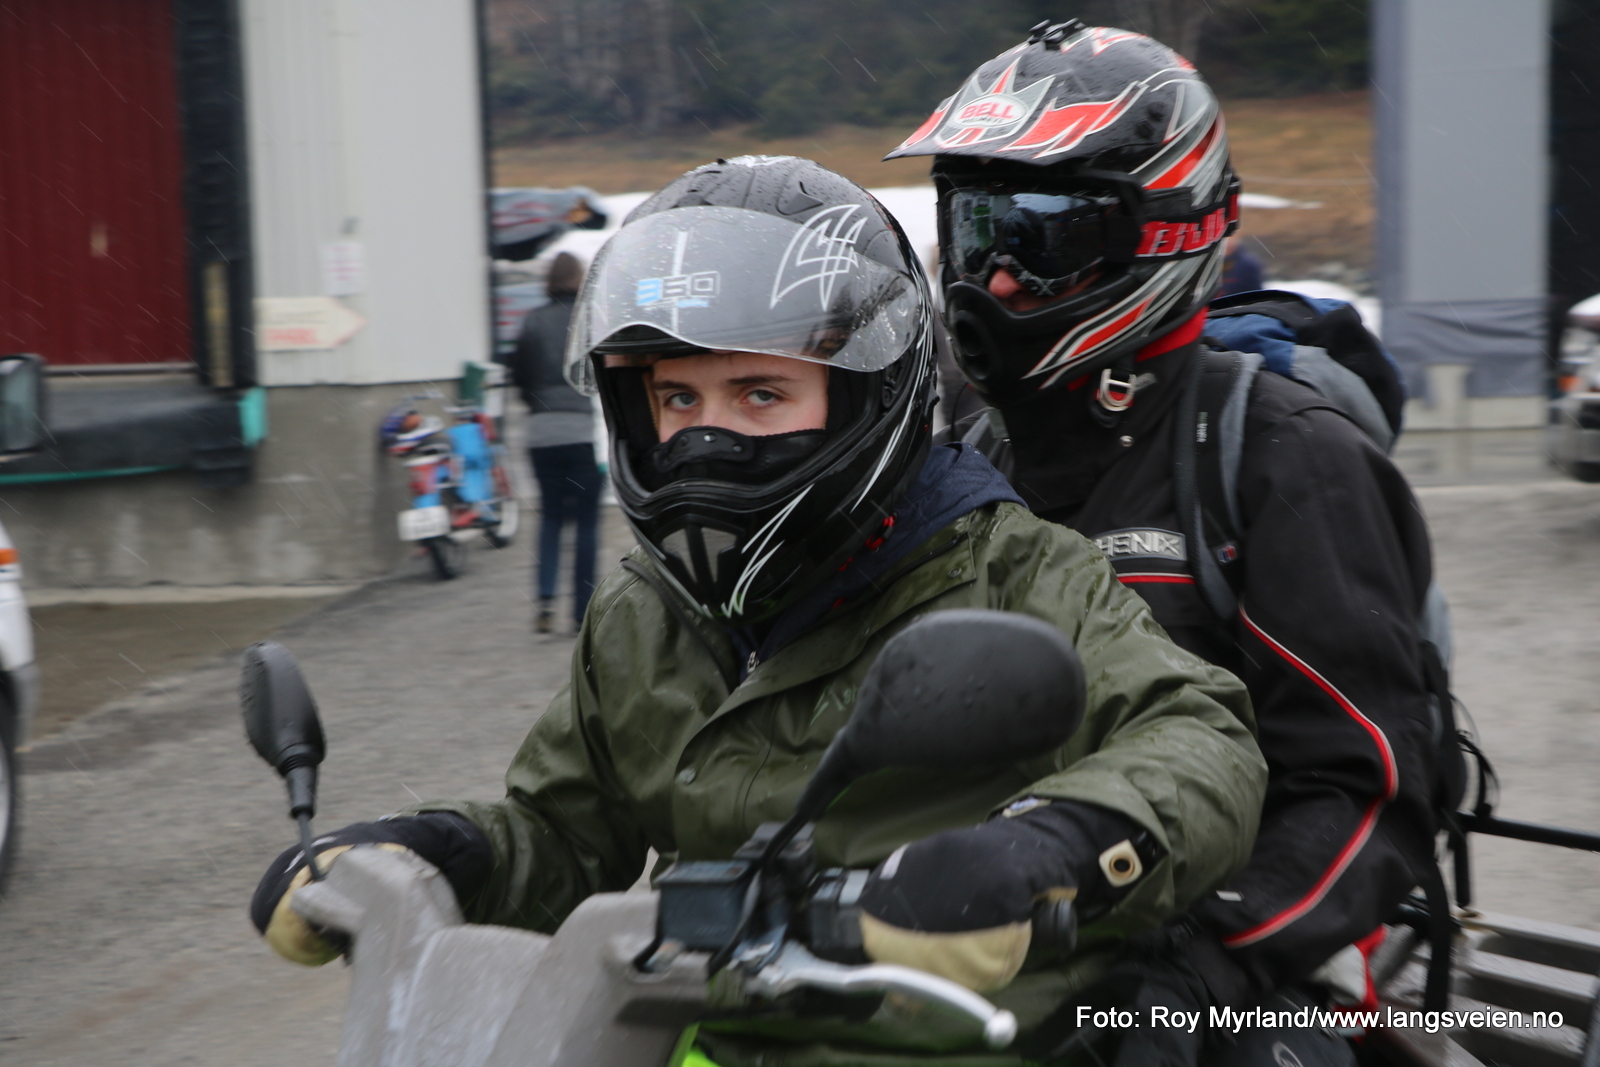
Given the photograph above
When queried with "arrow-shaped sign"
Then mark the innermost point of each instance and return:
(303, 323)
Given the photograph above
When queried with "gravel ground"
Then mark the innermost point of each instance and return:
(123, 938)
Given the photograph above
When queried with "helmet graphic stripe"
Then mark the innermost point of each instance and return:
(1087, 343)
(929, 126)
(1178, 173)
(1064, 128)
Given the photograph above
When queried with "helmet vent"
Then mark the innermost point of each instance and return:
(677, 543)
(797, 201)
(698, 549)
(717, 542)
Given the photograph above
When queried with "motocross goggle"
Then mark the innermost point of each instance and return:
(1050, 240)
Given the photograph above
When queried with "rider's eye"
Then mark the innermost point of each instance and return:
(762, 396)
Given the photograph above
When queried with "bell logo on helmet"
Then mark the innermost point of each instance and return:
(983, 112)
(822, 251)
(997, 110)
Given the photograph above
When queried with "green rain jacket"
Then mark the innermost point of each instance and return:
(647, 747)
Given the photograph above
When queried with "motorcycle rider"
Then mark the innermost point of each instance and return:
(761, 339)
(1085, 193)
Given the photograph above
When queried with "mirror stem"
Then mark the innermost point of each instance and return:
(306, 839)
(302, 783)
(834, 772)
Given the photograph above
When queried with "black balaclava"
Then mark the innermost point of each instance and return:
(1062, 445)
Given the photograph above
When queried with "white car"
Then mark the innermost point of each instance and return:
(21, 432)
(19, 691)
(1573, 436)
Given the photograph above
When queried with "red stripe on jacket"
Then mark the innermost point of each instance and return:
(1369, 818)
(1172, 579)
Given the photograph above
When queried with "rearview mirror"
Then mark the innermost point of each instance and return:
(21, 404)
(967, 688)
(281, 721)
(960, 689)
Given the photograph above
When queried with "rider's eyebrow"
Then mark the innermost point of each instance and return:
(761, 379)
(749, 379)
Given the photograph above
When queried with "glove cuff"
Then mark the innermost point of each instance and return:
(1105, 853)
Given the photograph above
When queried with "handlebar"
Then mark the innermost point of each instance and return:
(795, 967)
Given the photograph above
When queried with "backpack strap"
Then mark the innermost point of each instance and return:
(982, 434)
(1208, 443)
(988, 435)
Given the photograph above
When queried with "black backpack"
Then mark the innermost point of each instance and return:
(1318, 343)
(1323, 345)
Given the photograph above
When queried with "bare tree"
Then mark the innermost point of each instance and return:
(1175, 23)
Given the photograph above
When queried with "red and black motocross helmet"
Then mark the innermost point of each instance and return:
(1091, 164)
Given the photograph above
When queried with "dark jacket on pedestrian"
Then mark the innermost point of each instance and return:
(538, 364)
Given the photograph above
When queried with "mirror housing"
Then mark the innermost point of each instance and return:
(960, 689)
(21, 404)
(281, 720)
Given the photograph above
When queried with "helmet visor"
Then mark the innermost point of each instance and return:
(1047, 241)
(728, 279)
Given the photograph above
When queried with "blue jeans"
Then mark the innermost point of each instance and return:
(569, 491)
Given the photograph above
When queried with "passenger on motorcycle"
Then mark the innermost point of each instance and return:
(761, 339)
(1085, 194)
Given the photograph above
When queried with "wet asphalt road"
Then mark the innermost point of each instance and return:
(123, 937)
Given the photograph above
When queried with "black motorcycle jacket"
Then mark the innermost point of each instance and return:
(1333, 565)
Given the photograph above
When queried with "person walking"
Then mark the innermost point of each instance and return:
(1241, 269)
(560, 439)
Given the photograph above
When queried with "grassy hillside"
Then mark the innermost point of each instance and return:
(1310, 148)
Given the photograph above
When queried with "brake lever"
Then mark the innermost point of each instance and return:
(794, 967)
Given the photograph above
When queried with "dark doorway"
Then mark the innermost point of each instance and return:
(1574, 156)
(93, 256)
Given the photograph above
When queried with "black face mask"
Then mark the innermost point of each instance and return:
(714, 453)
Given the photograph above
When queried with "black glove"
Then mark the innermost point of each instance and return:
(450, 842)
(959, 904)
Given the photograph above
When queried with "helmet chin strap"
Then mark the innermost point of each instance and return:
(1119, 382)
(1114, 394)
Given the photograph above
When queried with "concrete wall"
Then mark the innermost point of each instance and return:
(321, 509)
(365, 126)
(1460, 109)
